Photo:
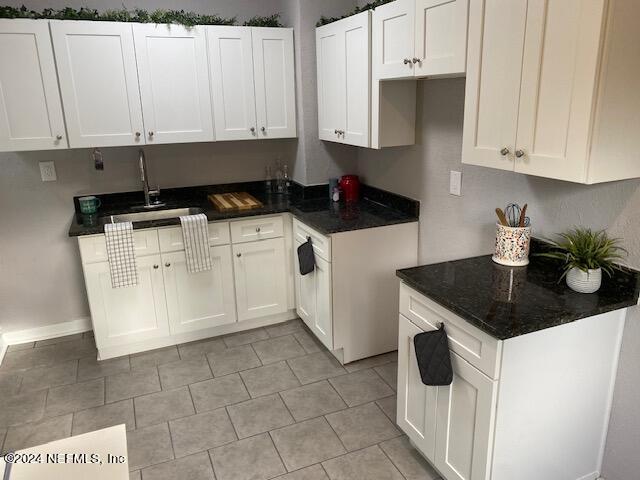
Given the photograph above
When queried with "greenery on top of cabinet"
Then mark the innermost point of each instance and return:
(369, 6)
(179, 17)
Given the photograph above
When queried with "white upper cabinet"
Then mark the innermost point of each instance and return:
(30, 108)
(253, 82)
(99, 82)
(558, 99)
(233, 93)
(418, 38)
(174, 83)
(344, 80)
(274, 78)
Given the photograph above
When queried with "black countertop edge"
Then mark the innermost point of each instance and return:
(507, 302)
(311, 204)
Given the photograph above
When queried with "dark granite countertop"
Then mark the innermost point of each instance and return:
(506, 302)
(311, 205)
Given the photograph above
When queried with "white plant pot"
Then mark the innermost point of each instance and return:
(584, 282)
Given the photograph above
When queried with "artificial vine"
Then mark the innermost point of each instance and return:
(369, 6)
(179, 17)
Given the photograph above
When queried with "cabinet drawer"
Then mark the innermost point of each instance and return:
(258, 228)
(477, 347)
(321, 243)
(171, 238)
(94, 248)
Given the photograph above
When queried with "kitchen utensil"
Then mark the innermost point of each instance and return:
(350, 185)
(226, 202)
(89, 205)
(513, 212)
(523, 216)
(502, 217)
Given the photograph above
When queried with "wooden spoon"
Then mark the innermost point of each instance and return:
(502, 217)
(523, 216)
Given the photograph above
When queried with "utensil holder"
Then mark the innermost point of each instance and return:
(512, 245)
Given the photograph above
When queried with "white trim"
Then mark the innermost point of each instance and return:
(3, 348)
(44, 333)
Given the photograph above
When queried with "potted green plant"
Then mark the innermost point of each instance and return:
(586, 254)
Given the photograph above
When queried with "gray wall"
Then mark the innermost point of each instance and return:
(456, 227)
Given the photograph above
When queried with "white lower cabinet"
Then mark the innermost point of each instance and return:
(260, 278)
(250, 285)
(127, 315)
(313, 299)
(510, 398)
(199, 300)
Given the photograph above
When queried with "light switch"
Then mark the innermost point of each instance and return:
(455, 183)
(48, 171)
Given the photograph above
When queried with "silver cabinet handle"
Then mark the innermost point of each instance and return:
(151, 134)
(504, 151)
(137, 134)
(252, 129)
(58, 137)
(167, 264)
(416, 60)
(257, 229)
(263, 130)
(407, 61)
(336, 131)
(238, 255)
(155, 267)
(519, 153)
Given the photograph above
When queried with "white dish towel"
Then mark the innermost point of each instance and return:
(121, 254)
(195, 233)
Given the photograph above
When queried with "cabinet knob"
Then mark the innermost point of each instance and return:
(415, 60)
(263, 129)
(151, 134)
(252, 130)
(58, 137)
(137, 134)
(519, 153)
(167, 264)
(407, 61)
(257, 229)
(504, 151)
(336, 131)
(155, 267)
(238, 255)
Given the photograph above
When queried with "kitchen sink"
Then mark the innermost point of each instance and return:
(152, 215)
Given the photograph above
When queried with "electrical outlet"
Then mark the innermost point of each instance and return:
(455, 183)
(48, 171)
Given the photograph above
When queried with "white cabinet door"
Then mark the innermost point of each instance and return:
(274, 78)
(416, 414)
(261, 278)
(174, 83)
(464, 423)
(199, 300)
(357, 81)
(232, 90)
(331, 80)
(30, 108)
(314, 299)
(130, 314)
(441, 37)
(559, 75)
(393, 27)
(496, 37)
(99, 82)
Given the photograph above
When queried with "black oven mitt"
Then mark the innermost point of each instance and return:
(434, 359)
(306, 257)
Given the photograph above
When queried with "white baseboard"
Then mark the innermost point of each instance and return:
(44, 333)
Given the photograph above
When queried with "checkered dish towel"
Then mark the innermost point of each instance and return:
(121, 254)
(195, 233)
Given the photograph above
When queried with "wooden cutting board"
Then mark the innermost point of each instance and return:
(226, 202)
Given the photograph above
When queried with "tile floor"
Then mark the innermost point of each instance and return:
(268, 403)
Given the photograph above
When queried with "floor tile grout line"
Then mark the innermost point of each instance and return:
(390, 459)
(284, 465)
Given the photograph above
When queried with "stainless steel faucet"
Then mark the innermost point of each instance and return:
(148, 203)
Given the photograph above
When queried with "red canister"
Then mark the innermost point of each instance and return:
(350, 185)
